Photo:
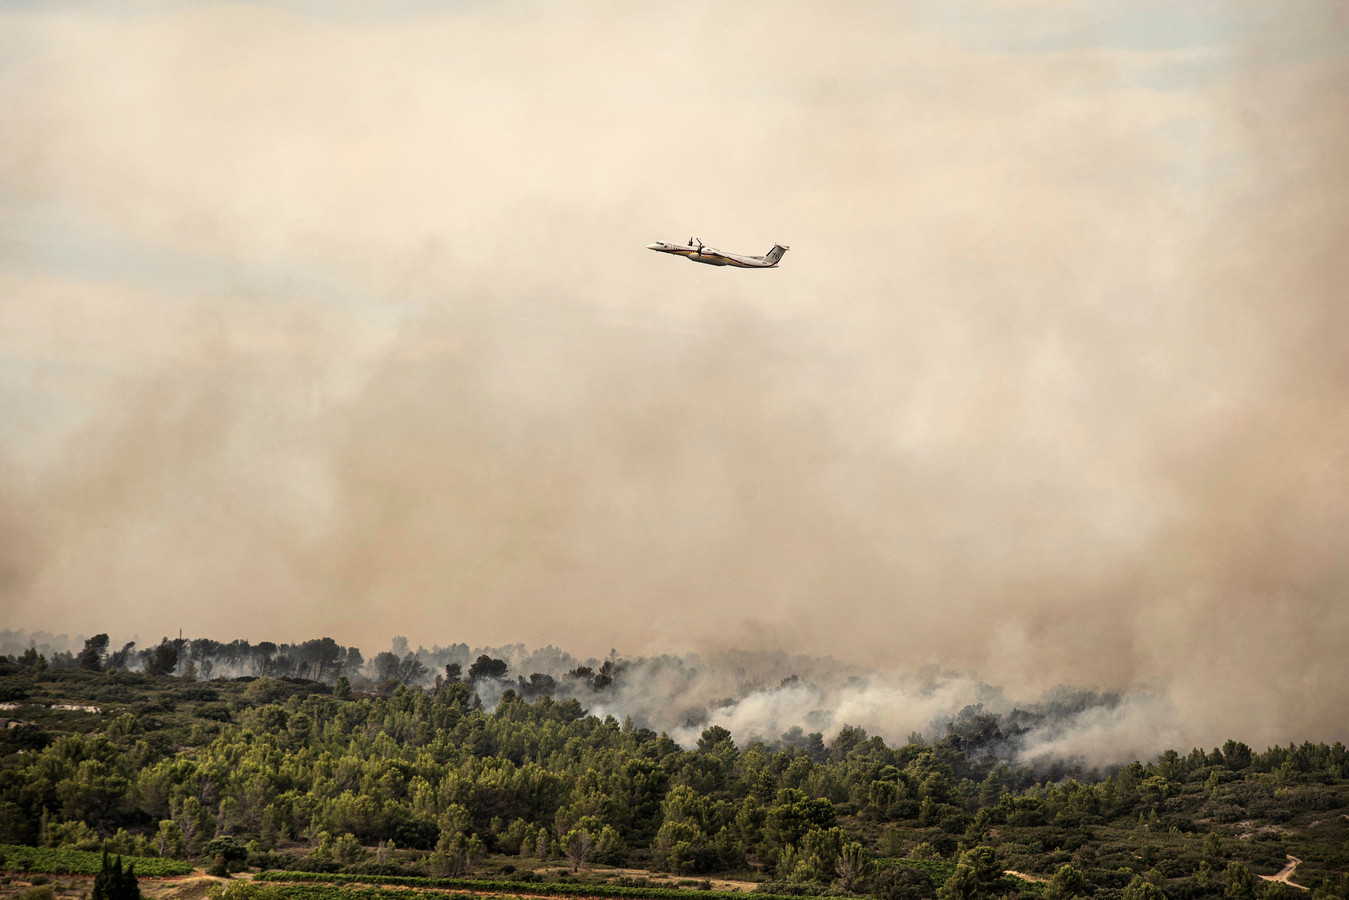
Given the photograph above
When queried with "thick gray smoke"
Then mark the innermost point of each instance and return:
(341, 324)
(778, 698)
(782, 699)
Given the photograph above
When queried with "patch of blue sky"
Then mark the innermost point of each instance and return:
(1294, 30)
(1187, 73)
(372, 13)
(360, 10)
(1149, 27)
(121, 9)
(1171, 46)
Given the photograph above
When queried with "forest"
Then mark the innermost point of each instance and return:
(307, 764)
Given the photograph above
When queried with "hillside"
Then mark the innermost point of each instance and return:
(281, 774)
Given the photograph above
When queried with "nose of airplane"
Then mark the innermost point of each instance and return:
(655, 246)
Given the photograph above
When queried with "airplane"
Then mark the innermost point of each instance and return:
(696, 251)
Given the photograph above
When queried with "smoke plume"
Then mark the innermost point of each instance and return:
(340, 323)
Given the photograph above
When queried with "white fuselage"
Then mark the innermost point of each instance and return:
(697, 251)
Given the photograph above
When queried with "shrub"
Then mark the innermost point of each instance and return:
(228, 847)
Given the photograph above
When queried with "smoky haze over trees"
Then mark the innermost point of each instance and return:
(787, 701)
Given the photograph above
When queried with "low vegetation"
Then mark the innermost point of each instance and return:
(61, 861)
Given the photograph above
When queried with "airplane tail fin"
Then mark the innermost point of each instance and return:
(776, 253)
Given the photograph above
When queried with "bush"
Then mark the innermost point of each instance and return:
(417, 834)
(227, 847)
(271, 859)
(215, 712)
(23, 737)
(243, 890)
(903, 883)
(321, 866)
(377, 868)
(784, 888)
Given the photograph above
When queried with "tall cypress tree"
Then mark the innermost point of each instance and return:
(101, 885)
(131, 889)
(112, 883)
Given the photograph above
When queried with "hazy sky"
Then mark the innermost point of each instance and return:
(325, 318)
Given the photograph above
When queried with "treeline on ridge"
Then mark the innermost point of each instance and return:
(326, 661)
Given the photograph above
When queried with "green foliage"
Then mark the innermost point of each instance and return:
(978, 874)
(78, 862)
(817, 857)
(115, 883)
(91, 657)
(1333, 888)
(247, 890)
(854, 866)
(794, 814)
(1239, 883)
(457, 854)
(487, 667)
(407, 670)
(938, 870)
(1277, 890)
(228, 847)
(923, 850)
(1067, 884)
(161, 660)
(579, 848)
(280, 767)
(1141, 889)
(901, 882)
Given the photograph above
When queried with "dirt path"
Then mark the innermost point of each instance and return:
(153, 887)
(180, 887)
(660, 879)
(423, 890)
(1286, 873)
(1026, 877)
